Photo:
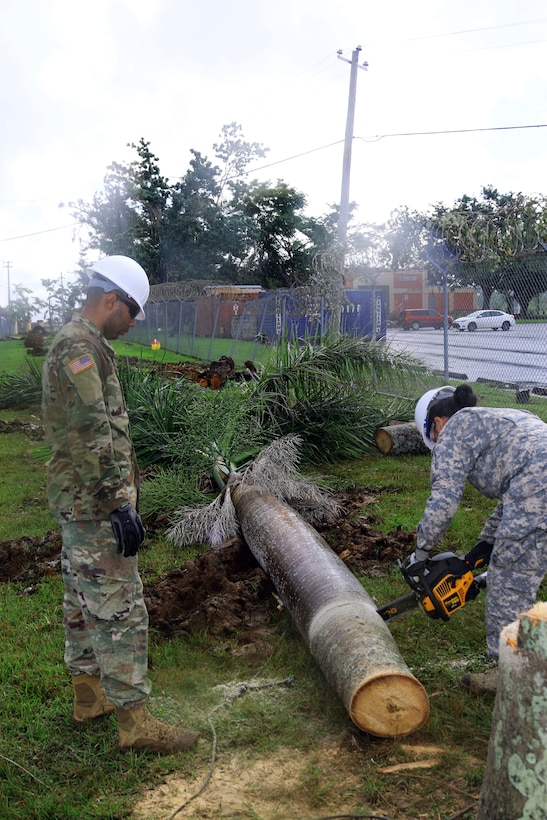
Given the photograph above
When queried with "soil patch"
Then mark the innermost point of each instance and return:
(225, 592)
(283, 785)
(28, 559)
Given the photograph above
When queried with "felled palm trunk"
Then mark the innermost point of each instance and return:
(334, 614)
(515, 780)
(399, 439)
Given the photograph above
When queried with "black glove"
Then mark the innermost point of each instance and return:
(128, 529)
(412, 566)
(479, 555)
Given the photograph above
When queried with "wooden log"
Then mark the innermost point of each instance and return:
(334, 614)
(515, 780)
(398, 439)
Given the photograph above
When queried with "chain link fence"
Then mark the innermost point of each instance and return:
(245, 329)
(502, 341)
(208, 327)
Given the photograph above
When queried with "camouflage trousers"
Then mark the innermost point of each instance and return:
(515, 573)
(105, 616)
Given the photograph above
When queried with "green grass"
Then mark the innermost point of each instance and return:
(13, 354)
(50, 770)
(23, 498)
(208, 349)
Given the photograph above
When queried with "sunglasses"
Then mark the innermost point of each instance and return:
(133, 308)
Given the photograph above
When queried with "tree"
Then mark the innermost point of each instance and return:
(492, 239)
(64, 296)
(210, 224)
(404, 240)
(280, 249)
(489, 242)
(22, 308)
(127, 218)
(235, 154)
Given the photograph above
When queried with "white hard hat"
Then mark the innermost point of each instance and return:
(422, 410)
(128, 277)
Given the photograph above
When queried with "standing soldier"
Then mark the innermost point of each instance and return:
(92, 483)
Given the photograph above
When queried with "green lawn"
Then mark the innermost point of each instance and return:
(49, 770)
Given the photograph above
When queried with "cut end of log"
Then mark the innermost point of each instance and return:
(390, 705)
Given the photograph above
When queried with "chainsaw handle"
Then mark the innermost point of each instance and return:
(479, 555)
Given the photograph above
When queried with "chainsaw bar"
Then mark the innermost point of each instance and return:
(398, 607)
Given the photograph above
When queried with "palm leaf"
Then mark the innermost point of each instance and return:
(335, 394)
(21, 388)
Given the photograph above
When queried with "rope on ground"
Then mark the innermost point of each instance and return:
(241, 690)
(14, 763)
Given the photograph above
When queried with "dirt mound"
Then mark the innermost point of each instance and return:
(33, 430)
(26, 559)
(224, 591)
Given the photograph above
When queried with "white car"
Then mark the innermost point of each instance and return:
(485, 320)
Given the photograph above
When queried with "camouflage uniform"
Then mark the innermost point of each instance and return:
(92, 471)
(503, 454)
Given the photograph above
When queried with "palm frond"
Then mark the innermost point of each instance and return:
(274, 472)
(21, 388)
(211, 523)
(336, 393)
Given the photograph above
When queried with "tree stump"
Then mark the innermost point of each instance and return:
(335, 615)
(515, 781)
(400, 438)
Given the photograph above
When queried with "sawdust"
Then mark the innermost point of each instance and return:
(283, 785)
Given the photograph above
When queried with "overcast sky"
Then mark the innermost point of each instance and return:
(81, 80)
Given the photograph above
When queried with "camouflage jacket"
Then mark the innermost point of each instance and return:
(92, 469)
(503, 454)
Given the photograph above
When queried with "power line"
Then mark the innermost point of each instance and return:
(483, 28)
(376, 138)
(287, 159)
(452, 131)
(465, 31)
(37, 233)
(385, 136)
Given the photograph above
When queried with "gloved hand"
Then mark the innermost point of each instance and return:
(128, 529)
(415, 563)
(418, 555)
(479, 555)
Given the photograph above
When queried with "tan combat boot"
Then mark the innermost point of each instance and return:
(90, 701)
(138, 729)
(481, 682)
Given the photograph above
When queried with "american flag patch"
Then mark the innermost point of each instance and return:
(81, 364)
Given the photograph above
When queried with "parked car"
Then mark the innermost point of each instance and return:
(415, 319)
(485, 320)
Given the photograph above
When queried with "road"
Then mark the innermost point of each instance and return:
(517, 355)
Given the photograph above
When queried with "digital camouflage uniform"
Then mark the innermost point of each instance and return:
(503, 454)
(92, 471)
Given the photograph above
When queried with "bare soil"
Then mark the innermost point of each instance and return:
(223, 590)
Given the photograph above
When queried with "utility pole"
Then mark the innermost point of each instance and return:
(8, 266)
(346, 168)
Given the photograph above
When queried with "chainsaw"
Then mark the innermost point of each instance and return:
(441, 585)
